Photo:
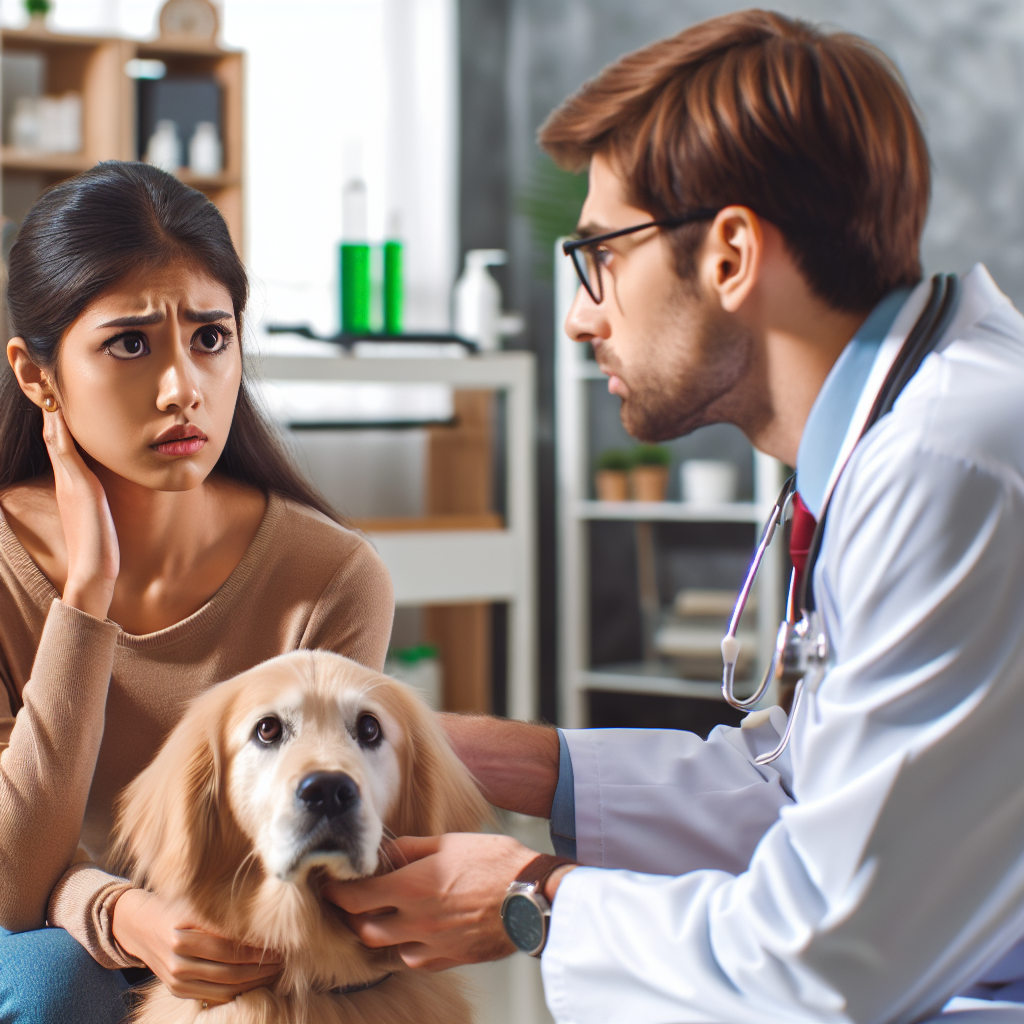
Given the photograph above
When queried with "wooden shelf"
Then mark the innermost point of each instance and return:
(43, 163)
(654, 678)
(453, 521)
(673, 511)
(94, 67)
(206, 182)
(180, 47)
(31, 38)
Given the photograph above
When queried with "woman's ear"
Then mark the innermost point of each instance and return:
(33, 380)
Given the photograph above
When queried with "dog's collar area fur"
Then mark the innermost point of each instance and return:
(344, 990)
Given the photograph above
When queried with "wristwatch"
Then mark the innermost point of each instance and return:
(526, 911)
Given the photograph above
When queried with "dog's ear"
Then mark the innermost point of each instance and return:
(175, 832)
(438, 793)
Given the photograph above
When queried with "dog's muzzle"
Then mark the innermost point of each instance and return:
(330, 821)
(328, 795)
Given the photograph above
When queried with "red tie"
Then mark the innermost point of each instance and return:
(800, 536)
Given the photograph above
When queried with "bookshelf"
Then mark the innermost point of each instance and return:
(577, 513)
(94, 67)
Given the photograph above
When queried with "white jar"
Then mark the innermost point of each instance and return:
(708, 481)
(204, 150)
(419, 668)
(164, 148)
(25, 123)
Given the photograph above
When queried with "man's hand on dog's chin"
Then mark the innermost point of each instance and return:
(192, 961)
(443, 907)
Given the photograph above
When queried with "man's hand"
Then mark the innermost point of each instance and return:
(443, 908)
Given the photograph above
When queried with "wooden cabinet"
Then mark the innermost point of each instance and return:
(94, 68)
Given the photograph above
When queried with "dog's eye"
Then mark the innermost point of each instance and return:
(269, 729)
(368, 730)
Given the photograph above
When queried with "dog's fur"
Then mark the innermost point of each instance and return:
(215, 821)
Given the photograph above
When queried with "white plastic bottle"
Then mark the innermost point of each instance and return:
(205, 155)
(477, 299)
(164, 149)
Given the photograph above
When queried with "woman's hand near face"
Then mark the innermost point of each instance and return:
(93, 556)
(192, 962)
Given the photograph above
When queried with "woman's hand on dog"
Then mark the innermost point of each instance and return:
(443, 908)
(93, 553)
(193, 962)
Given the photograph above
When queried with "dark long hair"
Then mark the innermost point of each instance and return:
(80, 238)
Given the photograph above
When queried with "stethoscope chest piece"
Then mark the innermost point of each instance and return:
(801, 648)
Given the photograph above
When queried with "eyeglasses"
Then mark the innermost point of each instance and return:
(588, 259)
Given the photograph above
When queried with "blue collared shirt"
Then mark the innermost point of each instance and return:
(837, 400)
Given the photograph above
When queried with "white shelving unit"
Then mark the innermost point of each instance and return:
(452, 566)
(575, 512)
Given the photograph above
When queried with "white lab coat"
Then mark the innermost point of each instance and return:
(877, 868)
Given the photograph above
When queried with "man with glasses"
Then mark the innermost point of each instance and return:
(749, 253)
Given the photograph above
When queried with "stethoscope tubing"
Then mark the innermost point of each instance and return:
(921, 340)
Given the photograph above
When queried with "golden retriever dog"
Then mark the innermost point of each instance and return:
(287, 775)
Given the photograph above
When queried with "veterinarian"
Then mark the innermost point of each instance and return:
(758, 190)
(154, 540)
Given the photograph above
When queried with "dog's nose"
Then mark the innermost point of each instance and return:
(328, 793)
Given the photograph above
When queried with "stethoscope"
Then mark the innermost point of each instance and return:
(801, 644)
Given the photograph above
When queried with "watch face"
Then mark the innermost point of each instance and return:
(524, 922)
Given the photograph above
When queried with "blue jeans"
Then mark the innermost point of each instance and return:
(46, 977)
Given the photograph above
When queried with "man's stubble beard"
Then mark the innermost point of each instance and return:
(692, 383)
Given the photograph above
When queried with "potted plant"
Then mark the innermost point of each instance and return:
(648, 476)
(37, 12)
(611, 480)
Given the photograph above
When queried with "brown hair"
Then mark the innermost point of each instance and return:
(84, 235)
(813, 131)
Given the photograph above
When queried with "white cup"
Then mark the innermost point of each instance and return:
(708, 481)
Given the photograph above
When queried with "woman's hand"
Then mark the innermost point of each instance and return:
(93, 555)
(190, 960)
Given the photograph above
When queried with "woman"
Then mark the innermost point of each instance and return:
(154, 539)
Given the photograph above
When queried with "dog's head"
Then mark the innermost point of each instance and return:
(304, 762)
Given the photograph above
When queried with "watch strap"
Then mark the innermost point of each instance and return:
(540, 869)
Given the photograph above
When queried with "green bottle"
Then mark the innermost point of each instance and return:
(393, 296)
(355, 287)
(354, 260)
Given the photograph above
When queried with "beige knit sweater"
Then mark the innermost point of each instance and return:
(84, 706)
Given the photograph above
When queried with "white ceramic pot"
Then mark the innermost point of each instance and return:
(708, 481)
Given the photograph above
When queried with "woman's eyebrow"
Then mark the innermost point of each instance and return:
(194, 316)
(142, 320)
(204, 316)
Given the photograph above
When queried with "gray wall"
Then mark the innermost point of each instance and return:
(963, 61)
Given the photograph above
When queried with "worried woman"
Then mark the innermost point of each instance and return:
(154, 540)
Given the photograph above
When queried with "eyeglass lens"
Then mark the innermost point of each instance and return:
(589, 271)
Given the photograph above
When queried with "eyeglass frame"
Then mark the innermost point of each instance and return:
(574, 245)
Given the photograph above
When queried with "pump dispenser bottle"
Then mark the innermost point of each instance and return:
(477, 299)
(355, 259)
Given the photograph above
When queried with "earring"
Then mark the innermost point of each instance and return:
(50, 403)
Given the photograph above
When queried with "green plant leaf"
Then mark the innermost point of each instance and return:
(651, 455)
(551, 203)
(614, 458)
